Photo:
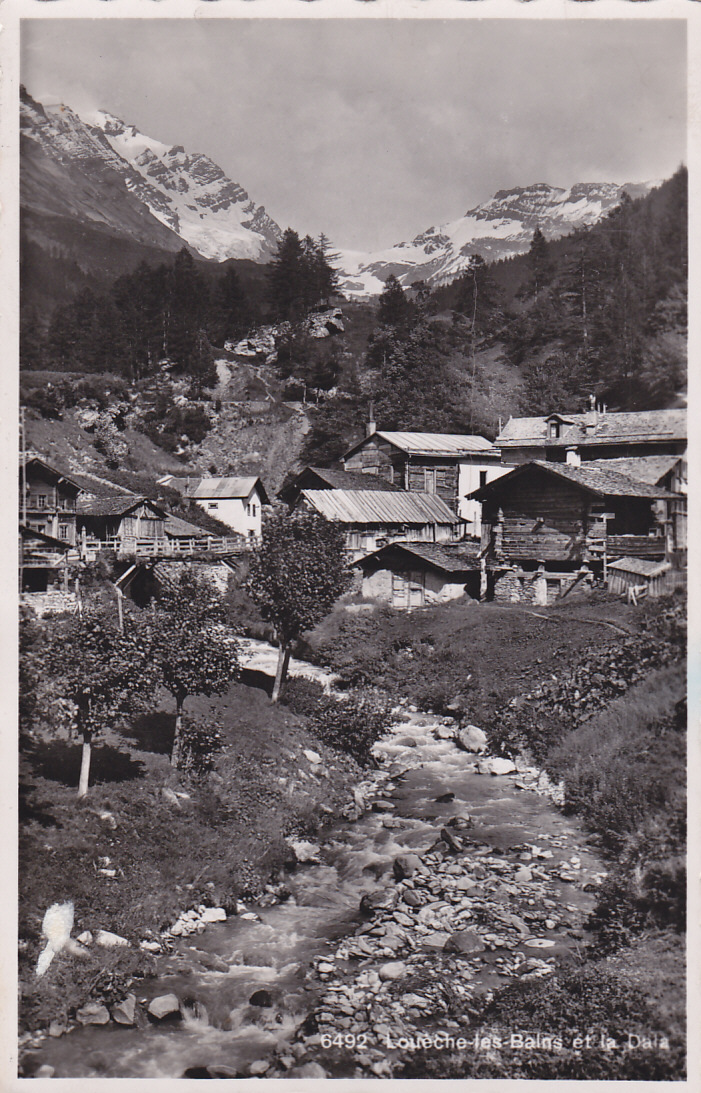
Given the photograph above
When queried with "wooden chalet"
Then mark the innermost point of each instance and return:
(596, 434)
(561, 520)
(124, 522)
(408, 575)
(451, 466)
(372, 518)
(44, 561)
(47, 502)
(330, 478)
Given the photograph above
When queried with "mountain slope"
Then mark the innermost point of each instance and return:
(190, 194)
(499, 228)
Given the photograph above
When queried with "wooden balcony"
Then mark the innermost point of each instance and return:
(132, 547)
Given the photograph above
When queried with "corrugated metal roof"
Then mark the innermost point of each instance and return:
(223, 487)
(609, 428)
(598, 480)
(643, 567)
(459, 558)
(380, 507)
(644, 468)
(453, 444)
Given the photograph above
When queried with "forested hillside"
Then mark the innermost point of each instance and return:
(600, 312)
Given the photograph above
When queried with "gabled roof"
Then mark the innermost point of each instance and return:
(99, 487)
(457, 558)
(47, 540)
(597, 480)
(51, 473)
(115, 506)
(178, 528)
(333, 478)
(380, 506)
(604, 428)
(450, 444)
(644, 567)
(217, 487)
(643, 468)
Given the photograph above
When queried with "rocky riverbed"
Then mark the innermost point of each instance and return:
(452, 875)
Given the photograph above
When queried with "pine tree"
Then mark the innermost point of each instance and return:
(394, 309)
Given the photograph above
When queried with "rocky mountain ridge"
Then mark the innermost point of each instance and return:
(498, 228)
(66, 157)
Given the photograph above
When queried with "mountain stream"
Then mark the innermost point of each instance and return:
(493, 883)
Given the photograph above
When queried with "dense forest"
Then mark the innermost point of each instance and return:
(600, 312)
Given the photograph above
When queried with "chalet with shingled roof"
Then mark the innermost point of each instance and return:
(555, 523)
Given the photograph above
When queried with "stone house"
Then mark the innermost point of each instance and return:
(408, 575)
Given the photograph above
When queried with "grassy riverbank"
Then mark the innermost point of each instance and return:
(145, 844)
(595, 693)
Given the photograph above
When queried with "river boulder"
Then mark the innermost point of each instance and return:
(94, 1013)
(165, 1005)
(464, 941)
(473, 739)
(496, 765)
(406, 865)
(124, 1013)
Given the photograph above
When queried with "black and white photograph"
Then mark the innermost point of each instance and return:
(352, 563)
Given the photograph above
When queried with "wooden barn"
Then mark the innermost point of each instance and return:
(372, 518)
(561, 518)
(637, 577)
(123, 523)
(449, 465)
(408, 575)
(330, 478)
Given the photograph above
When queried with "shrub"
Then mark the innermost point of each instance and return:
(303, 696)
(352, 723)
(200, 744)
(590, 1000)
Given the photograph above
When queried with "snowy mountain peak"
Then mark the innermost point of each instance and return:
(500, 227)
(187, 192)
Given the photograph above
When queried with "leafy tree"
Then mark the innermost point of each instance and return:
(194, 655)
(100, 674)
(296, 577)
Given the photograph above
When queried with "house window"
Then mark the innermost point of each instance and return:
(213, 505)
(483, 478)
(554, 430)
(63, 531)
(41, 501)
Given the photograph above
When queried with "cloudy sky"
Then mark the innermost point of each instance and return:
(374, 130)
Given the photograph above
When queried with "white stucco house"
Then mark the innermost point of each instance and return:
(237, 502)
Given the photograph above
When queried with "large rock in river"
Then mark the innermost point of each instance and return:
(473, 739)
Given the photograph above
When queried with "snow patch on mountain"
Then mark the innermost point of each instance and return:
(499, 228)
(206, 209)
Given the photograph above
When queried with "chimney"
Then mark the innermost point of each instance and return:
(591, 417)
(371, 426)
(573, 458)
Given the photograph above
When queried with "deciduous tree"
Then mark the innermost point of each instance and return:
(101, 675)
(296, 577)
(193, 653)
